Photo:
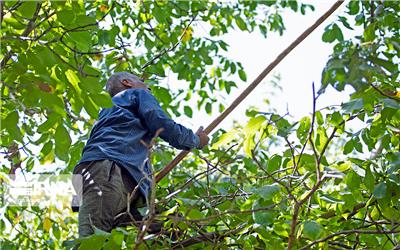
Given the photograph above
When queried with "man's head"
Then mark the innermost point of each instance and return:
(123, 80)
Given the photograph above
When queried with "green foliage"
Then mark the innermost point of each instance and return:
(324, 181)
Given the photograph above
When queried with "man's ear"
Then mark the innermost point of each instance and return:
(127, 83)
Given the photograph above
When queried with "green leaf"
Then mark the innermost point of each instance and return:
(14, 23)
(83, 20)
(307, 161)
(263, 217)
(82, 39)
(268, 192)
(274, 163)
(93, 242)
(319, 118)
(304, 128)
(62, 141)
(354, 7)
(10, 123)
(343, 166)
(387, 64)
(102, 99)
(242, 75)
(348, 147)
(49, 123)
(53, 102)
(66, 17)
(117, 237)
(98, 231)
(312, 230)
(390, 103)
(157, 69)
(233, 68)
(332, 33)
(345, 23)
(253, 125)
(159, 15)
(74, 80)
(321, 139)
(330, 199)
(90, 84)
(336, 118)
(355, 104)
(27, 9)
(162, 95)
(195, 214)
(90, 107)
(380, 190)
(225, 139)
(284, 127)
(188, 111)
(369, 33)
(248, 146)
(208, 108)
(328, 36)
(240, 23)
(282, 229)
(223, 45)
(369, 180)
(337, 32)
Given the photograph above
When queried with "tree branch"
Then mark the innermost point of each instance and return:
(29, 28)
(347, 232)
(207, 237)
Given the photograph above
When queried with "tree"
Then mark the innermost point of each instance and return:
(329, 185)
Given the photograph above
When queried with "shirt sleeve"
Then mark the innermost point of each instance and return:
(155, 118)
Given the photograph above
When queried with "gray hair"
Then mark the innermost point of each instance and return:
(114, 85)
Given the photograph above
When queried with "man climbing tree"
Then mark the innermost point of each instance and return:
(115, 165)
(273, 181)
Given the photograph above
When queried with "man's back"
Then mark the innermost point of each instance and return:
(115, 158)
(124, 131)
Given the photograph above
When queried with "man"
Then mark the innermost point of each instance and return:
(115, 158)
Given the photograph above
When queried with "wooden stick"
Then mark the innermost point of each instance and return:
(251, 87)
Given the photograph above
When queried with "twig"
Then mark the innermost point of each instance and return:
(347, 232)
(206, 237)
(310, 132)
(383, 93)
(151, 204)
(274, 179)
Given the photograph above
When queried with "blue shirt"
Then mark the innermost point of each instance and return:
(136, 116)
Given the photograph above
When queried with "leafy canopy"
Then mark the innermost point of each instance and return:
(271, 183)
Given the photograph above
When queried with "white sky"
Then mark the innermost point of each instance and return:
(298, 70)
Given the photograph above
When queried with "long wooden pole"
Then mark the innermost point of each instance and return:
(251, 87)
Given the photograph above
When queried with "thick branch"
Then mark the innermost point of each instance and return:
(252, 86)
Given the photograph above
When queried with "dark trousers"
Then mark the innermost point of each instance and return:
(104, 189)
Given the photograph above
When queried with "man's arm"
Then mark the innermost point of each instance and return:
(155, 118)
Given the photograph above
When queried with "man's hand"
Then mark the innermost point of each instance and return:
(203, 137)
